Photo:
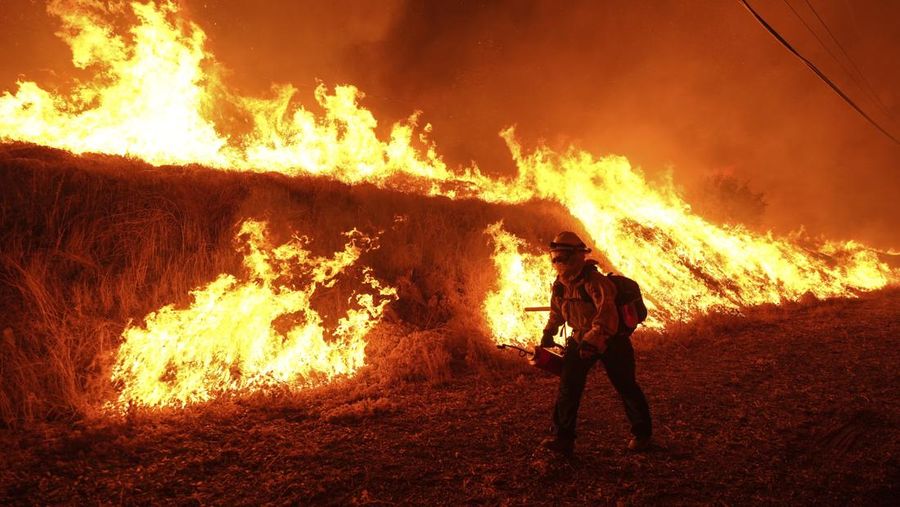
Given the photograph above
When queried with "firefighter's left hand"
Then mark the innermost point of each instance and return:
(547, 340)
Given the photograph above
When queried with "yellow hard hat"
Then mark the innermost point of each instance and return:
(567, 240)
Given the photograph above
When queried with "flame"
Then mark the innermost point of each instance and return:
(146, 96)
(155, 94)
(523, 280)
(227, 339)
(686, 264)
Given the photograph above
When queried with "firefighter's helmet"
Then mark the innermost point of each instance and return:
(568, 240)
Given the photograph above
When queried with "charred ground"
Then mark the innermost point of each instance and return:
(795, 405)
(789, 404)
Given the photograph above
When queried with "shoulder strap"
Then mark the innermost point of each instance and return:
(558, 289)
(584, 294)
(589, 268)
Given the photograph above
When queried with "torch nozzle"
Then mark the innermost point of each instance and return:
(522, 352)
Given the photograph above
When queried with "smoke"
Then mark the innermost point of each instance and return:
(697, 89)
(700, 88)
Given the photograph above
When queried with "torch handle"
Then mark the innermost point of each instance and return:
(511, 346)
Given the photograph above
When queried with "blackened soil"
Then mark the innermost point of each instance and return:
(786, 406)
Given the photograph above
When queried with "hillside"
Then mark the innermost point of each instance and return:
(792, 403)
(91, 243)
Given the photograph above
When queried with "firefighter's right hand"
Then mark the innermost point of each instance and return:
(547, 340)
(588, 350)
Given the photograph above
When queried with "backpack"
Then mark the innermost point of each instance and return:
(629, 302)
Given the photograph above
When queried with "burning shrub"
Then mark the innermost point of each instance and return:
(726, 199)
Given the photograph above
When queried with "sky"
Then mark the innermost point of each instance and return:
(687, 89)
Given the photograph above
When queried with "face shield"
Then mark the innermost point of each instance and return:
(566, 261)
(562, 256)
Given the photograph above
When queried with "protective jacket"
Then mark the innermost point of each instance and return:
(587, 303)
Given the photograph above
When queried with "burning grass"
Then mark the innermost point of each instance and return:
(777, 404)
(93, 243)
(94, 246)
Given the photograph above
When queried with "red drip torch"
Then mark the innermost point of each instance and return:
(542, 358)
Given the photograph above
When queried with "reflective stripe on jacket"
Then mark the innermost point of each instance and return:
(593, 321)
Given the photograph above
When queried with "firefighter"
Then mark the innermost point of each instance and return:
(585, 299)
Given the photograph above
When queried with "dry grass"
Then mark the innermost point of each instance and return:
(90, 243)
(719, 326)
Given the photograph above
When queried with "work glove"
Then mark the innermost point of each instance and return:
(547, 340)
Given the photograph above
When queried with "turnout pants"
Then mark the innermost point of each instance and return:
(619, 363)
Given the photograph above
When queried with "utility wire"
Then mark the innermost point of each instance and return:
(825, 46)
(816, 70)
(867, 90)
(865, 81)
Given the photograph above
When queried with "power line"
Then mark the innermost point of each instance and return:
(867, 90)
(824, 46)
(867, 85)
(816, 70)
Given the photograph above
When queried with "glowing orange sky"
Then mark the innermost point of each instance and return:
(699, 86)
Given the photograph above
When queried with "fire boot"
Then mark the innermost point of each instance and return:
(637, 444)
(559, 445)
